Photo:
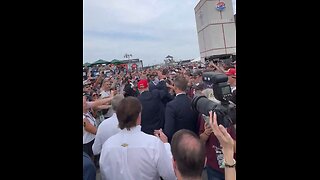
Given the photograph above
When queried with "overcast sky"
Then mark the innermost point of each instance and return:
(147, 29)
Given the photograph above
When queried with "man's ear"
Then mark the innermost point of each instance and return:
(174, 164)
(175, 169)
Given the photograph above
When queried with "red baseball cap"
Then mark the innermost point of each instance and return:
(142, 84)
(231, 72)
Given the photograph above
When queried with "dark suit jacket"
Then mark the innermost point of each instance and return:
(152, 86)
(179, 115)
(152, 115)
(162, 86)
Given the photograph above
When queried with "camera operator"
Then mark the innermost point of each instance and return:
(226, 114)
(228, 147)
(215, 169)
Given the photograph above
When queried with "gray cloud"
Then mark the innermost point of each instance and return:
(148, 29)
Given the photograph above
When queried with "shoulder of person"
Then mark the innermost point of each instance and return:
(105, 123)
(150, 138)
(113, 139)
(172, 103)
(155, 91)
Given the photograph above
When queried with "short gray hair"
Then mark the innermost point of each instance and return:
(116, 101)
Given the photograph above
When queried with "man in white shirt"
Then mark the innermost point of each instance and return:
(131, 154)
(108, 127)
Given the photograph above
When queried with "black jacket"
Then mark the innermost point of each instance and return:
(162, 86)
(152, 115)
(152, 86)
(129, 91)
(179, 115)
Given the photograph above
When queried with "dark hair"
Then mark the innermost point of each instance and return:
(128, 111)
(188, 152)
(165, 72)
(181, 83)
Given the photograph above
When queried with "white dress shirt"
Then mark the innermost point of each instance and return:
(134, 155)
(180, 93)
(106, 129)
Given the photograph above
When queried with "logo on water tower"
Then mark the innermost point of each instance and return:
(220, 6)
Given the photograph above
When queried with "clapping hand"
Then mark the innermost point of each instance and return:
(161, 135)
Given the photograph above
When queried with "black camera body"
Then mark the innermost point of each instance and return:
(226, 111)
(221, 88)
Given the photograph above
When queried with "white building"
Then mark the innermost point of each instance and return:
(216, 28)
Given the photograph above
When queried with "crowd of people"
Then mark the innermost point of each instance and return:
(140, 125)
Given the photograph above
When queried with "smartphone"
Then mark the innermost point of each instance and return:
(206, 118)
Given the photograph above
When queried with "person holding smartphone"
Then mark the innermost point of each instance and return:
(215, 164)
(228, 146)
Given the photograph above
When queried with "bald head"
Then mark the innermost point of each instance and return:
(188, 152)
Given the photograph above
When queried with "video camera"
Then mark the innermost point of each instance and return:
(225, 110)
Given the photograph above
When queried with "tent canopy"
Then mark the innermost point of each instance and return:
(86, 64)
(100, 61)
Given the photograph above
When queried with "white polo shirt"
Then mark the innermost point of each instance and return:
(133, 155)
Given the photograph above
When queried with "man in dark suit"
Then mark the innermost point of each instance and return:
(159, 81)
(152, 115)
(179, 114)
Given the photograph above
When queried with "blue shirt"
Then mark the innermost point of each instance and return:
(89, 170)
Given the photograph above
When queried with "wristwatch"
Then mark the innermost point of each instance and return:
(226, 165)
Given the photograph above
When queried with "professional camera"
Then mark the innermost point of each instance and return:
(225, 110)
(221, 88)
